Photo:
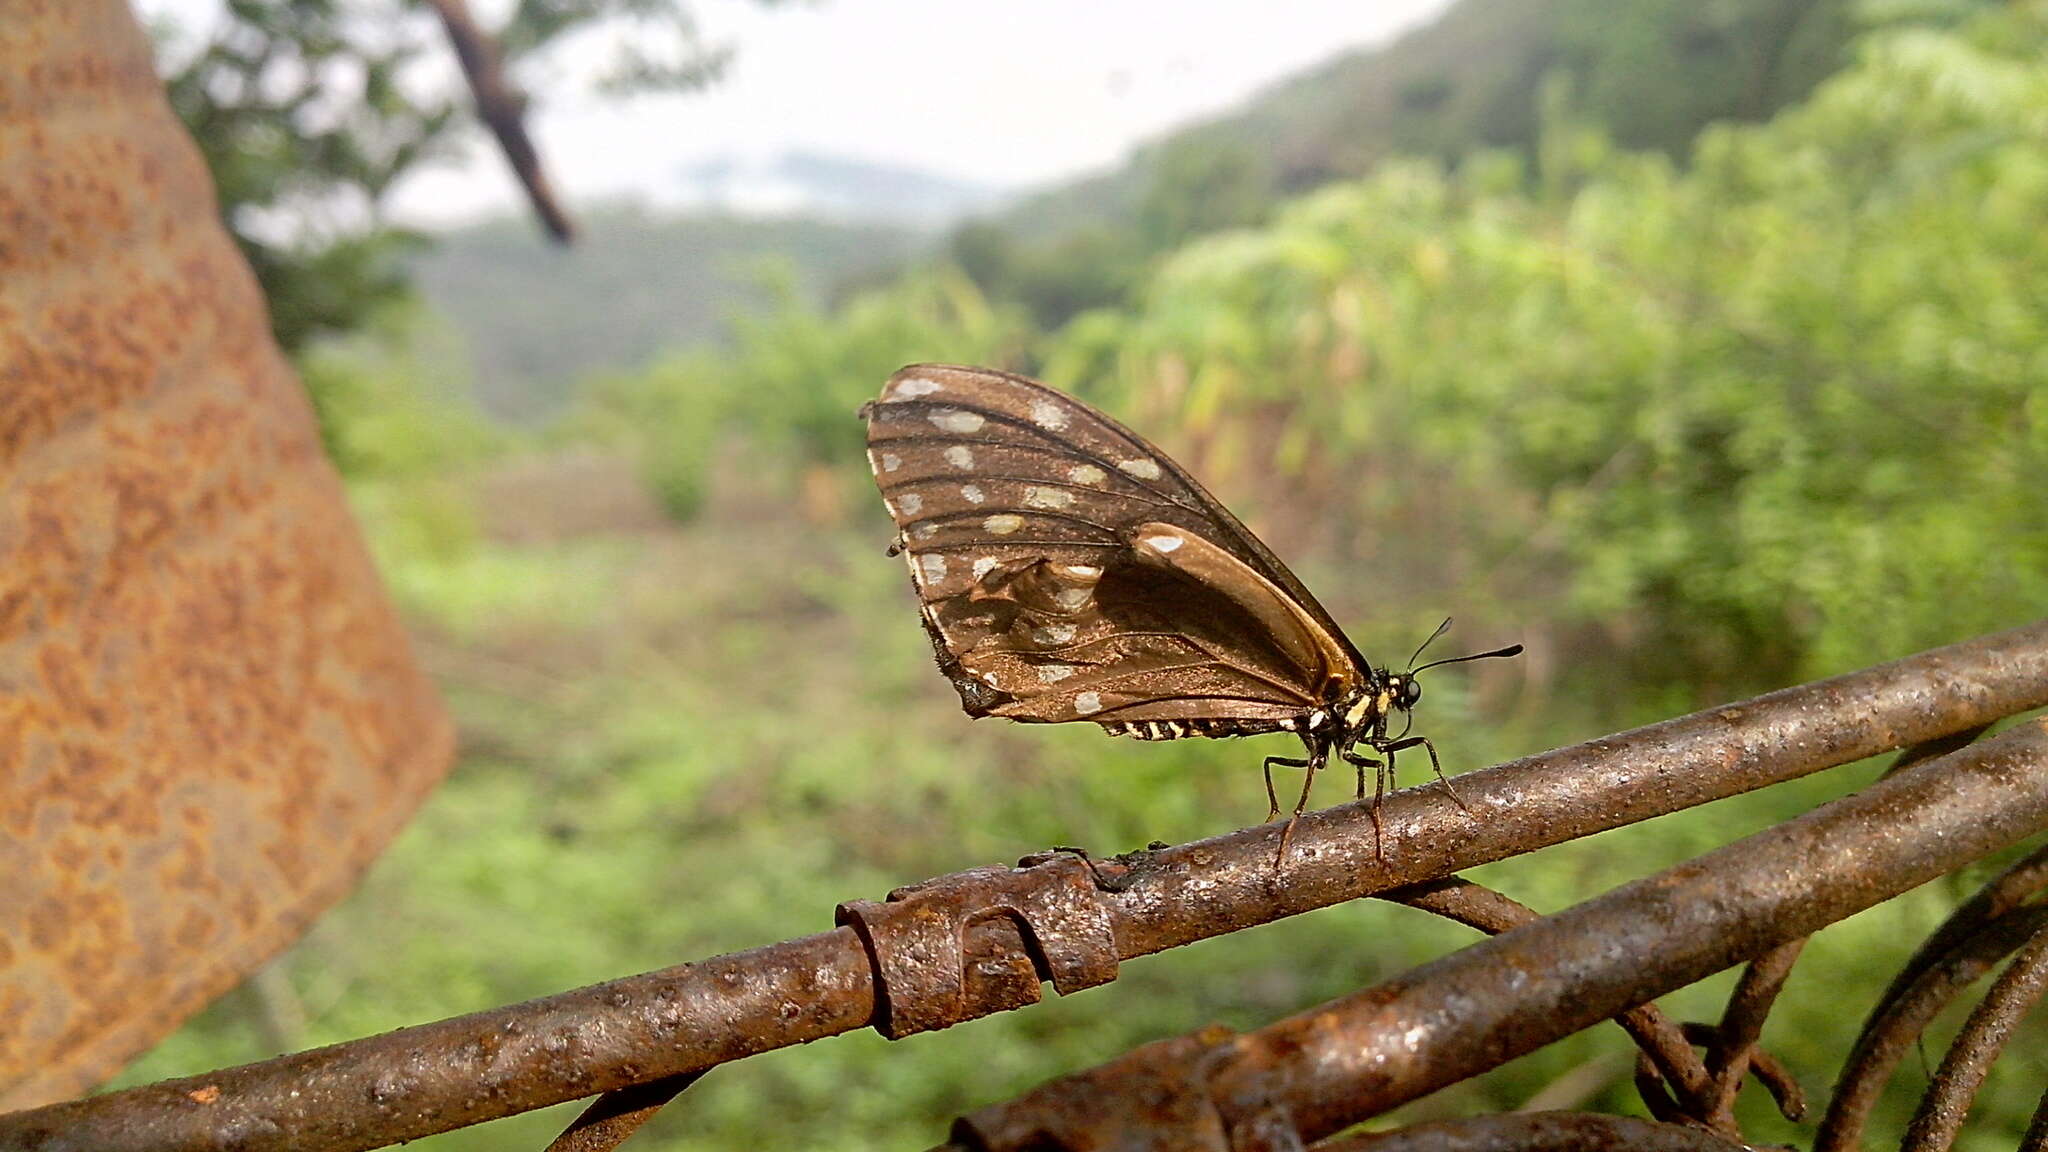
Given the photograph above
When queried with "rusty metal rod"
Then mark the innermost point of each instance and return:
(2012, 996)
(1537, 1132)
(1662, 1039)
(1564, 794)
(617, 1115)
(1974, 938)
(434, 1077)
(1354, 1058)
(1735, 1043)
(451, 1073)
(2036, 1139)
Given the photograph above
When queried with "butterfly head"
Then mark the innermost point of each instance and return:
(1404, 691)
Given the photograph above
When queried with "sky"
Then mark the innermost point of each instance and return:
(997, 92)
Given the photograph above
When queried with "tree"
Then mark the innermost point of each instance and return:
(310, 111)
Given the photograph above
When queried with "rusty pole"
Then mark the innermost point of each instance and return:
(435, 1077)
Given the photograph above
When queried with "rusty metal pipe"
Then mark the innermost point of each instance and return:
(1537, 1132)
(465, 1070)
(1969, 1059)
(1571, 792)
(1456, 1017)
(434, 1077)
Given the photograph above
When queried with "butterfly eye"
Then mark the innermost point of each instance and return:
(1411, 693)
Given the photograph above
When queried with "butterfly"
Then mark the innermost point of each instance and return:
(1067, 570)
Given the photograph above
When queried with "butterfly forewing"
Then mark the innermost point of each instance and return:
(1068, 570)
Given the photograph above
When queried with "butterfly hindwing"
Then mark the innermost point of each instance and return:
(1068, 570)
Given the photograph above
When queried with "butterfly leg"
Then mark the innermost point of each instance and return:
(1273, 798)
(1379, 791)
(1423, 743)
(1318, 756)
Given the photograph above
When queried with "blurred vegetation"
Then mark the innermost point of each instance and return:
(1693, 422)
(539, 318)
(1653, 73)
(308, 112)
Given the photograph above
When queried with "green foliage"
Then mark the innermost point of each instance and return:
(385, 403)
(308, 112)
(1651, 75)
(1767, 415)
(791, 382)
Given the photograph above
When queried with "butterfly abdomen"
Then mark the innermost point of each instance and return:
(1181, 729)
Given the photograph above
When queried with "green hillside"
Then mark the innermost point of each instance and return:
(536, 318)
(1652, 73)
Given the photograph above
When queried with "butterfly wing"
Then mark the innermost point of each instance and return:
(1069, 570)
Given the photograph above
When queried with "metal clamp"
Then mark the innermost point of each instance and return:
(917, 942)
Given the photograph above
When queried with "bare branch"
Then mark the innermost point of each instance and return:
(504, 110)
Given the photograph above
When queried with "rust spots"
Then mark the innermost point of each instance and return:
(209, 718)
(206, 1095)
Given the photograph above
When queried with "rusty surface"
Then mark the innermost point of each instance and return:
(616, 1115)
(473, 1068)
(1969, 1059)
(1733, 1048)
(1353, 1058)
(917, 940)
(1537, 1132)
(453, 1073)
(1975, 937)
(1667, 1054)
(209, 718)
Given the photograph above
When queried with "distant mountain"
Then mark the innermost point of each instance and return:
(832, 188)
(537, 319)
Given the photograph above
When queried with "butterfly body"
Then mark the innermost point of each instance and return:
(1068, 570)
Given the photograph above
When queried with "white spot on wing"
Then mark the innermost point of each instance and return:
(1082, 571)
(1142, 468)
(1164, 543)
(1003, 523)
(1088, 702)
(960, 456)
(925, 531)
(984, 566)
(891, 461)
(971, 493)
(911, 503)
(954, 420)
(912, 388)
(1051, 634)
(933, 566)
(1073, 599)
(1086, 474)
(1048, 415)
(1054, 673)
(1048, 498)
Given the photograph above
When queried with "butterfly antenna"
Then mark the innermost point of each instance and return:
(1510, 650)
(1440, 630)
